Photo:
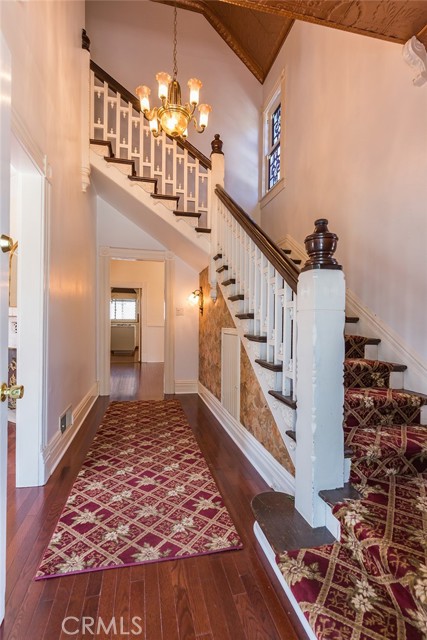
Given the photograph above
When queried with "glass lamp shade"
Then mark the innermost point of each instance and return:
(143, 93)
(173, 119)
(154, 125)
(194, 85)
(204, 110)
(164, 80)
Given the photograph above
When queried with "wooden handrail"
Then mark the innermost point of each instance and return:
(278, 259)
(133, 100)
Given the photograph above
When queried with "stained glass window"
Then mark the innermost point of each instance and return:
(274, 153)
(274, 167)
(275, 126)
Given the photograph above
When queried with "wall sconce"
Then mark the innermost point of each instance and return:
(196, 297)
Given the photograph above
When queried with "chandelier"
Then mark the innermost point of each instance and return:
(173, 117)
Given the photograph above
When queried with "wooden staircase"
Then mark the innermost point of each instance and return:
(373, 582)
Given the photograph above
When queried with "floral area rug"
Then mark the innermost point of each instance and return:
(144, 494)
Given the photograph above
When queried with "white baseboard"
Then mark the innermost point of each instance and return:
(55, 449)
(186, 386)
(270, 555)
(271, 471)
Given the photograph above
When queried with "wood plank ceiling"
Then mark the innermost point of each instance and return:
(256, 29)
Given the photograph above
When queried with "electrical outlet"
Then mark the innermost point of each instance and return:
(66, 419)
(63, 422)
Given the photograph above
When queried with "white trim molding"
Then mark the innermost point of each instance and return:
(276, 476)
(186, 386)
(58, 445)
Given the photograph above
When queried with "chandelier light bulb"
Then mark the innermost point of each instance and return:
(194, 85)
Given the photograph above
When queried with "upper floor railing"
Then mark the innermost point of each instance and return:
(180, 168)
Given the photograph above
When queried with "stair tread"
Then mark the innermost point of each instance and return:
(365, 338)
(153, 181)
(381, 392)
(223, 268)
(187, 214)
(254, 338)
(351, 319)
(393, 365)
(238, 296)
(282, 525)
(245, 316)
(335, 496)
(163, 196)
(203, 230)
(218, 256)
(288, 400)
(269, 365)
(226, 283)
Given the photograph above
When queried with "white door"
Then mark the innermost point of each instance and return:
(5, 97)
(230, 372)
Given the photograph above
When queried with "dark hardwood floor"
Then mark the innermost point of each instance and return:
(224, 596)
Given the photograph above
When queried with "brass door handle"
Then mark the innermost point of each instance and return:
(15, 391)
(6, 243)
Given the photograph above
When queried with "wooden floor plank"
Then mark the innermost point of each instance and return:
(223, 596)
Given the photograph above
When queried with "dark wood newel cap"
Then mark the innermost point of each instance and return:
(216, 144)
(85, 40)
(321, 246)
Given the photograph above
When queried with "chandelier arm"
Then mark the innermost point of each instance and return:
(197, 128)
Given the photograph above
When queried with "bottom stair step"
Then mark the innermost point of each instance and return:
(282, 525)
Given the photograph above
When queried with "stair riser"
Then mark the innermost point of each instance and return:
(148, 187)
(123, 168)
(192, 222)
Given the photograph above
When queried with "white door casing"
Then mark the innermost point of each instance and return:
(5, 101)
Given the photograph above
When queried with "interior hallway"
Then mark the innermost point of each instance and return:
(224, 596)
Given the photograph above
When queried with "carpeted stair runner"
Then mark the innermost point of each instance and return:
(372, 584)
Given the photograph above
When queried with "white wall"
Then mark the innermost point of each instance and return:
(355, 152)
(132, 41)
(148, 276)
(45, 42)
(115, 230)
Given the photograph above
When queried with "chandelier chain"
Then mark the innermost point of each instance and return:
(175, 65)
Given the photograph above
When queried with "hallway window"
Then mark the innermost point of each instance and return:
(123, 310)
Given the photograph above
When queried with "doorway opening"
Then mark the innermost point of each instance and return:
(136, 320)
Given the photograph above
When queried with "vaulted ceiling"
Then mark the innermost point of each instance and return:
(257, 29)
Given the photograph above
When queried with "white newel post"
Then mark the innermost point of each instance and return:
(85, 110)
(320, 375)
(217, 177)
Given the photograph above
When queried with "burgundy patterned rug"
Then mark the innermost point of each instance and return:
(144, 494)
